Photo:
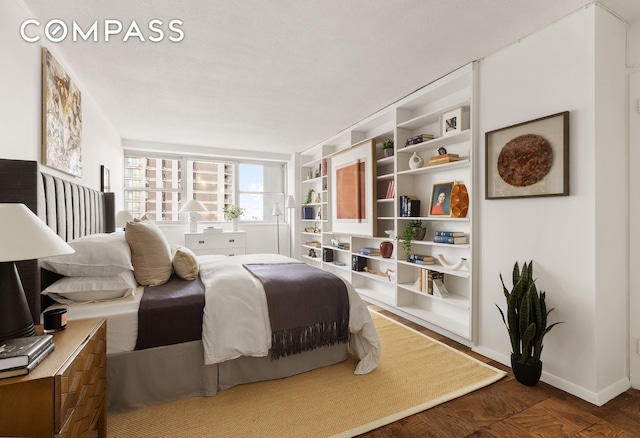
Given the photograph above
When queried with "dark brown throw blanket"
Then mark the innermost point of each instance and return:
(308, 307)
(170, 313)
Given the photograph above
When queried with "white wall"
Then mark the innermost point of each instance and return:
(21, 109)
(577, 243)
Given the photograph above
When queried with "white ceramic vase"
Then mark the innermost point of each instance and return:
(234, 223)
(416, 161)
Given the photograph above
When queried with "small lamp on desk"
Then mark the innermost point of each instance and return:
(23, 236)
(122, 217)
(193, 207)
(277, 211)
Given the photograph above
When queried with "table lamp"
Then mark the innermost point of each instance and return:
(277, 211)
(23, 236)
(122, 217)
(193, 207)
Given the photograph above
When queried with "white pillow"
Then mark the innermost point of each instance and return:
(96, 255)
(185, 263)
(69, 290)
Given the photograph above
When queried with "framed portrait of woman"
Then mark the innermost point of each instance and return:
(441, 199)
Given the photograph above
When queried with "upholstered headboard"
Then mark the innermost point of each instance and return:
(71, 210)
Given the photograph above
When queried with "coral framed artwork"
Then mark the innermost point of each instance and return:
(61, 118)
(354, 192)
(528, 159)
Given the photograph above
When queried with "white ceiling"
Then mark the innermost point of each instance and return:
(282, 75)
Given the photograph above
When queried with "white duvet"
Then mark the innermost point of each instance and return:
(236, 321)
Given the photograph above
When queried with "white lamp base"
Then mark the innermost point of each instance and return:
(193, 223)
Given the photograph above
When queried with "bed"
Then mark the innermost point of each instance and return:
(233, 349)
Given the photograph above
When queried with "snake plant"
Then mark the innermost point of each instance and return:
(526, 318)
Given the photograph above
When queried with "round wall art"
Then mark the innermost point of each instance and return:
(525, 160)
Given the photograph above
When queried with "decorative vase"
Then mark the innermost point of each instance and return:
(419, 233)
(459, 200)
(388, 152)
(415, 161)
(234, 223)
(386, 249)
(527, 374)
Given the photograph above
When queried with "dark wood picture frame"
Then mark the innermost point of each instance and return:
(105, 179)
(533, 156)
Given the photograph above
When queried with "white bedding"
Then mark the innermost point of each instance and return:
(121, 315)
(237, 324)
(234, 324)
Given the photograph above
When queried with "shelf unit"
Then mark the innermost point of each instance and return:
(392, 283)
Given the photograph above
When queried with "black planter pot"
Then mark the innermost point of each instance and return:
(526, 374)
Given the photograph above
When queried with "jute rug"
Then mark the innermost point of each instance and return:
(415, 373)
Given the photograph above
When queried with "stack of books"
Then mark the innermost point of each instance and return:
(419, 139)
(344, 245)
(442, 158)
(409, 207)
(368, 251)
(20, 356)
(451, 237)
(420, 259)
(391, 192)
(431, 283)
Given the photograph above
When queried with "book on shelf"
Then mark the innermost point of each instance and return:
(409, 207)
(450, 240)
(431, 277)
(26, 369)
(449, 233)
(365, 250)
(342, 245)
(390, 190)
(420, 259)
(19, 352)
(417, 139)
(439, 159)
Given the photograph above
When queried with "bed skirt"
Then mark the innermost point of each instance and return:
(133, 377)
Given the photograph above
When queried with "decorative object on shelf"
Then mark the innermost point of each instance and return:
(386, 273)
(233, 212)
(327, 255)
(386, 249)
(23, 237)
(414, 231)
(307, 213)
(62, 118)
(353, 190)
(442, 150)
(193, 207)
(451, 122)
(387, 148)
(105, 179)
(319, 214)
(390, 233)
(359, 263)
(528, 159)
(453, 266)
(441, 199)
(415, 161)
(526, 322)
(309, 196)
(318, 199)
(312, 253)
(442, 159)
(459, 200)
(277, 212)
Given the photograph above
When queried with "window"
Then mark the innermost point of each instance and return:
(260, 187)
(157, 186)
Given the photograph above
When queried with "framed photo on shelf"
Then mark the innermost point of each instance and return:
(451, 122)
(528, 159)
(105, 179)
(441, 199)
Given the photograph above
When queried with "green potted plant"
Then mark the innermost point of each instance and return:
(526, 322)
(414, 231)
(387, 148)
(307, 211)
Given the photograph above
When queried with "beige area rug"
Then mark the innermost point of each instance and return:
(415, 373)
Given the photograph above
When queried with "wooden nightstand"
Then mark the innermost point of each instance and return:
(64, 396)
(226, 243)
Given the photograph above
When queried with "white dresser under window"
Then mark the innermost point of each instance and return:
(226, 243)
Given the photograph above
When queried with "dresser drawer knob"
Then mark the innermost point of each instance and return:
(200, 242)
(232, 240)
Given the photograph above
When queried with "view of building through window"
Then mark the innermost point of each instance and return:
(158, 187)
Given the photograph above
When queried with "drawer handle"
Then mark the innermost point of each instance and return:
(231, 255)
(200, 242)
(232, 240)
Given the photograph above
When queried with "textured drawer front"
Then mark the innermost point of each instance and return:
(220, 251)
(81, 388)
(214, 241)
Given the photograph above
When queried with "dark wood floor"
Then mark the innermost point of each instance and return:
(510, 409)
